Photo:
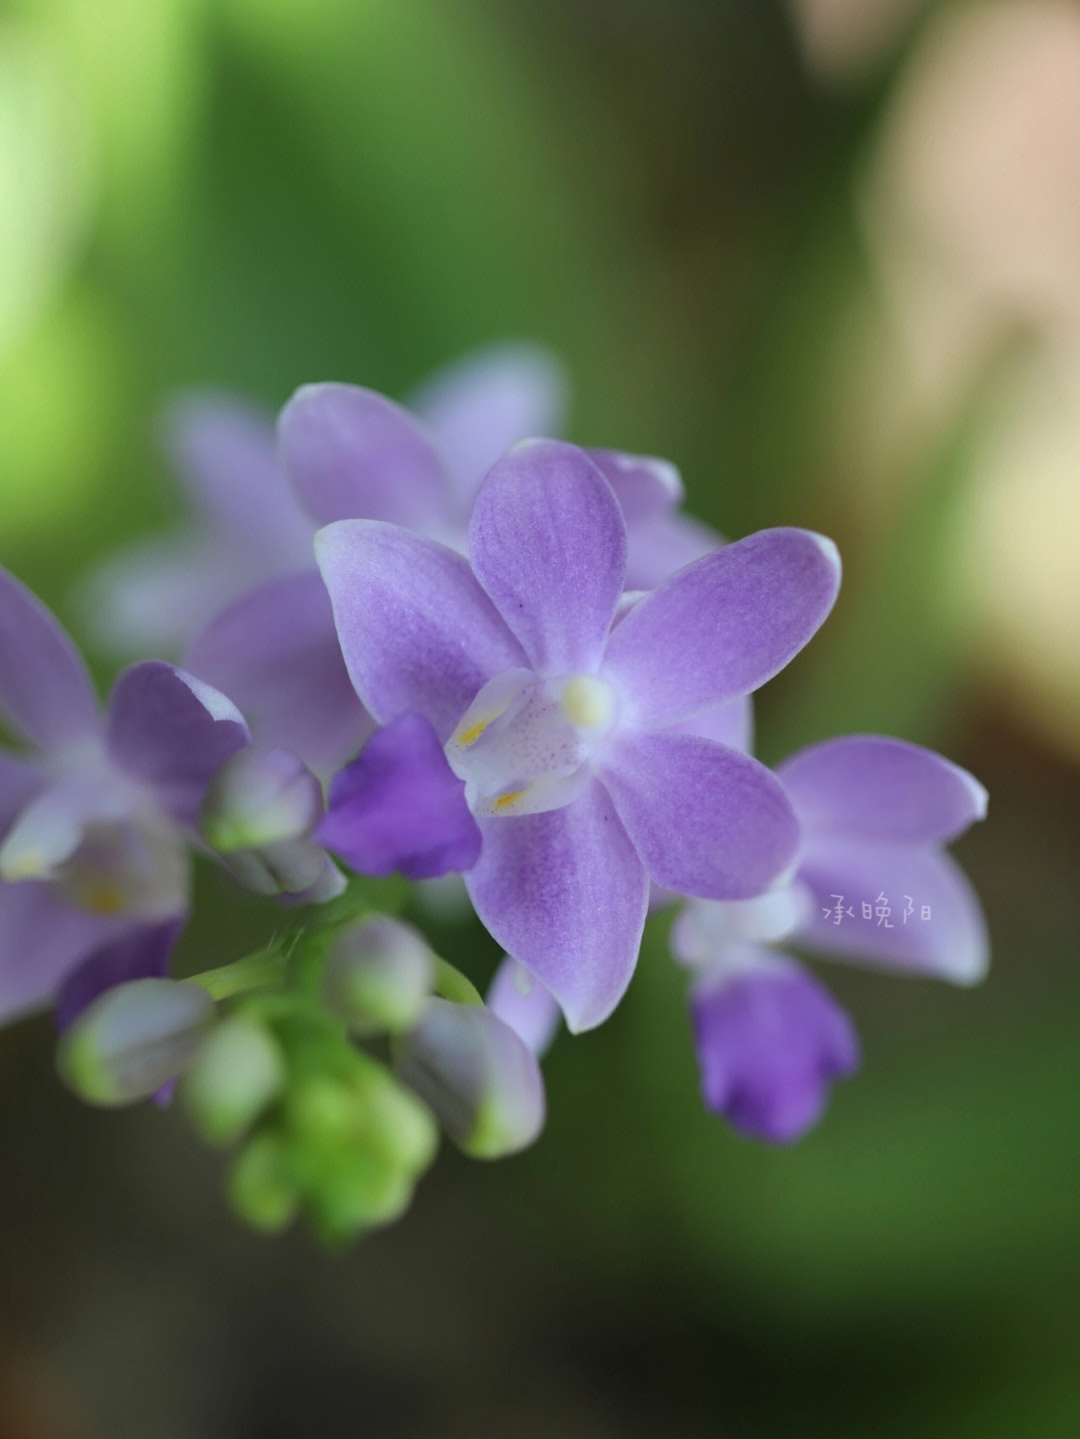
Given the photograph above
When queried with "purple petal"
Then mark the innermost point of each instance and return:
(730, 724)
(869, 787)
(659, 549)
(644, 487)
(524, 1004)
(565, 894)
(548, 544)
(723, 626)
(706, 820)
(771, 1041)
(401, 807)
(924, 916)
(416, 630)
(19, 783)
(42, 940)
(354, 455)
(276, 653)
(172, 731)
(480, 406)
(140, 954)
(225, 453)
(45, 690)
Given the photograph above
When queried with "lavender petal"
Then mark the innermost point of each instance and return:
(870, 787)
(771, 1041)
(548, 544)
(416, 630)
(706, 820)
(42, 940)
(525, 1005)
(399, 806)
(724, 625)
(275, 652)
(565, 893)
(142, 953)
(45, 690)
(172, 731)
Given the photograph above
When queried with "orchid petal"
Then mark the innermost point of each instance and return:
(724, 625)
(276, 653)
(548, 544)
(525, 1005)
(354, 455)
(416, 630)
(565, 893)
(706, 820)
(399, 806)
(42, 940)
(481, 405)
(870, 787)
(943, 934)
(45, 690)
(172, 731)
(19, 782)
(770, 1040)
(142, 953)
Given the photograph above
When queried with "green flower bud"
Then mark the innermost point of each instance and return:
(482, 1081)
(359, 1191)
(133, 1039)
(259, 1187)
(378, 975)
(238, 1071)
(260, 797)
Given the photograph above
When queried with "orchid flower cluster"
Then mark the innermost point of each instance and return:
(417, 646)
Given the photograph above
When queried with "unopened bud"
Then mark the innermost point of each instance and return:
(259, 1187)
(133, 1039)
(260, 797)
(482, 1081)
(238, 1071)
(289, 866)
(358, 1191)
(378, 975)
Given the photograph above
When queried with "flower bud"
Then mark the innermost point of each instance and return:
(259, 1187)
(133, 1039)
(260, 797)
(236, 1074)
(372, 1113)
(482, 1081)
(359, 1190)
(378, 975)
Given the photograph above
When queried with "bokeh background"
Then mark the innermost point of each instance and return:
(825, 256)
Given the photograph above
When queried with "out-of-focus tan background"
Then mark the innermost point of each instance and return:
(825, 257)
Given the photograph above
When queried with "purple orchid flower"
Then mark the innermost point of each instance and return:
(565, 726)
(94, 817)
(874, 884)
(352, 454)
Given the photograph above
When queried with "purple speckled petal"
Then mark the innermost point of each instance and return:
(481, 405)
(45, 690)
(142, 953)
(723, 626)
(354, 455)
(950, 942)
(706, 820)
(172, 731)
(416, 630)
(565, 893)
(869, 787)
(42, 940)
(276, 654)
(401, 807)
(225, 454)
(548, 544)
(771, 1041)
(525, 1005)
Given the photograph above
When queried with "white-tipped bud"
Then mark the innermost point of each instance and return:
(378, 976)
(260, 797)
(237, 1072)
(133, 1039)
(290, 866)
(482, 1081)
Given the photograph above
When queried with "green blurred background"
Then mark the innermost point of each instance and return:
(679, 201)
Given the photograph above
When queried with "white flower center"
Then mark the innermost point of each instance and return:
(524, 744)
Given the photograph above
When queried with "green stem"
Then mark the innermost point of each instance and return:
(265, 969)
